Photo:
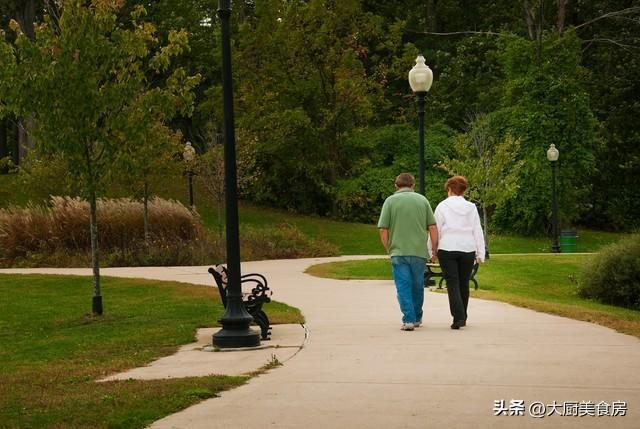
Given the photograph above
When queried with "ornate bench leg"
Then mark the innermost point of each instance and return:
(475, 283)
(263, 321)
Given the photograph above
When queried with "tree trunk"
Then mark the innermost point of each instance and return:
(333, 168)
(4, 147)
(540, 29)
(25, 15)
(15, 150)
(486, 230)
(145, 202)
(95, 261)
(25, 136)
(531, 20)
(562, 13)
(430, 18)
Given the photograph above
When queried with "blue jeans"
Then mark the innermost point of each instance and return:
(408, 274)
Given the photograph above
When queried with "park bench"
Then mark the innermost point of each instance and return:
(434, 270)
(259, 294)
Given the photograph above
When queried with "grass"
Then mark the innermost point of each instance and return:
(541, 282)
(52, 350)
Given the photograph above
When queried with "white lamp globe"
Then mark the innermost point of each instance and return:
(420, 76)
(553, 154)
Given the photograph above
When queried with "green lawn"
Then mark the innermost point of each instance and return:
(545, 283)
(52, 350)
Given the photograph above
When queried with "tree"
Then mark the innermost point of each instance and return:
(198, 19)
(489, 164)
(24, 12)
(85, 82)
(305, 86)
(545, 103)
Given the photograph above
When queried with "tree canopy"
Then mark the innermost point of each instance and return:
(322, 94)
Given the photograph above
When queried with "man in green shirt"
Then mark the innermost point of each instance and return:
(404, 221)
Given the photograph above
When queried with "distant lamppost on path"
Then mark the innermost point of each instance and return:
(235, 321)
(420, 79)
(189, 155)
(552, 155)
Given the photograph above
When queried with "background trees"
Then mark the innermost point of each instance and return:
(85, 81)
(326, 119)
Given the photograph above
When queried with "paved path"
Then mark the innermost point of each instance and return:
(358, 370)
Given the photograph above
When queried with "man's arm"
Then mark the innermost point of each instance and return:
(433, 235)
(384, 237)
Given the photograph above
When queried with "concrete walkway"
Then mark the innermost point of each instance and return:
(358, 370)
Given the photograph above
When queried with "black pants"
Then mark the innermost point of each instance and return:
(456, 268)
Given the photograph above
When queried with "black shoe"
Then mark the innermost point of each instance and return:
(455, 325)
(463, 323)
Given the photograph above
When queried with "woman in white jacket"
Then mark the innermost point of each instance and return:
(460, 245)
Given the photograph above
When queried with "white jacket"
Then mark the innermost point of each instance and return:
(459, 226)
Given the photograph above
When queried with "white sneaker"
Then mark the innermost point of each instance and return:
(407, 327)
(417, 324)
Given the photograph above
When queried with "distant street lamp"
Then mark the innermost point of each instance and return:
(189, 155)
(552, 155)
(420, 79)
(235, 321)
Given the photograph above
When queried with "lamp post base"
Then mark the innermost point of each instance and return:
(235, 330)
(232, 338)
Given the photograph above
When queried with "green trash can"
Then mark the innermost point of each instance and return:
(568, 241)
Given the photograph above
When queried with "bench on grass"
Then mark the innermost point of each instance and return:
(260, 294)
(434, 270)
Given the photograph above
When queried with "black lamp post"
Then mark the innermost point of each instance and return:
(552, 155)
(420, 79)
(235, 321)
(189, 156)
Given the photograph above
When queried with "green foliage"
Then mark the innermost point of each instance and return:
(46, 176)
(360, 199)
(86, 82)
(613, 276)
(86, 85)
(545, 103)
(310, 74)
(379, 155)
(307, 84)
(610, 51)
(488, 161)
(470, 81)
(282, 242)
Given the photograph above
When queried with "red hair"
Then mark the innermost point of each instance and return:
(457, 185)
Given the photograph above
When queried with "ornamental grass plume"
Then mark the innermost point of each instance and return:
(63, 228)
(23, 229)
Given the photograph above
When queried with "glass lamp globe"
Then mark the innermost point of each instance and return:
(420, 76)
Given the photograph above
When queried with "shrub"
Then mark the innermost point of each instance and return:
(59, 236)
(283, 242)
(613, 276)
(59, 233)
(383, 153)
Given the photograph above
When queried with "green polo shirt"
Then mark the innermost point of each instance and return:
(407, 215)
